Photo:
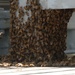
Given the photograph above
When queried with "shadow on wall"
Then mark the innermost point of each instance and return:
(4, 27)
(4, 43)
(71, 39)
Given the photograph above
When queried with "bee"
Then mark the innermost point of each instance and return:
(31, 2)
(21, 12)
(27, 7)
(27, 13)
(28, 1)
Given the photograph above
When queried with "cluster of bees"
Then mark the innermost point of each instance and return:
(42, 39)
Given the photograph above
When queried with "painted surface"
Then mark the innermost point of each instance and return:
(71, 39)
(37, 71)
(58, 4)
(71, 24)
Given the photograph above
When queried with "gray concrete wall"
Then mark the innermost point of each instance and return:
(71, 39)
(4, 27)
(4, 43)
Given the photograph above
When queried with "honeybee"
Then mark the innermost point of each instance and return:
(27, 13)
(27, 7)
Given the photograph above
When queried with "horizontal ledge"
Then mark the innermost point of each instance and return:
(70, 51)
(2, 4)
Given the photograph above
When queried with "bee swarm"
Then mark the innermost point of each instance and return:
(42, 38)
